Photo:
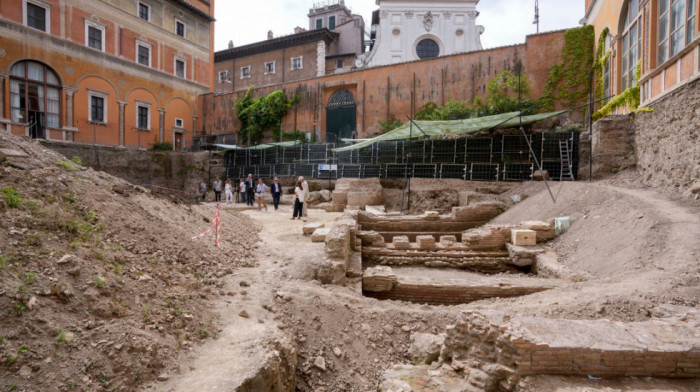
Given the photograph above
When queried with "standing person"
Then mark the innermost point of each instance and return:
(305, 186)
(276, 191)
(241, 189)
(229, 192)
(260, 194)
(203, 189)
(217, 190)
(238, 190)
(250, 189)
(298, 203)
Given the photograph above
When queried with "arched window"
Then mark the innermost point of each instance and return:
(427, 49)
(35, 97)
(630, 43)
(676, 27)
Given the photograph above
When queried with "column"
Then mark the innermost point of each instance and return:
(161, 127)
(194, 127)
(122, 107)
(70, 92)
(2, 95)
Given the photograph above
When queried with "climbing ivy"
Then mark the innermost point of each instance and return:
(630, 98)
(568, 81)
(601, 57)
(258, 115)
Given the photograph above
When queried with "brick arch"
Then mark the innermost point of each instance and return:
(114, 88)
(133, 89)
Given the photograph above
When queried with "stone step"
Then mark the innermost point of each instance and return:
(319, 235)
(311, 227)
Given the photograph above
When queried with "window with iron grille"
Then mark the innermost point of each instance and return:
(427, 49)
(97, 109)
(95, 37)
(339, 63)
(269, 68)
(142, 117)
(144, 11)
(36, 16)
(245, 72)
(296, 63)
(180, 28)
(144, 55)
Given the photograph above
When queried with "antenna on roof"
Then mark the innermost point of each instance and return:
(537, 16)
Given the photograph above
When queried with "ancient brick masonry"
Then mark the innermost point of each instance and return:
(495, 350)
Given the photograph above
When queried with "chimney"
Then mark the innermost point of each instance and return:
(270, 35)
(298, 30)
(230, 44)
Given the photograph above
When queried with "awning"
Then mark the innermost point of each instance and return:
(431, 129)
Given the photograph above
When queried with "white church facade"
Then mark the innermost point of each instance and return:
(409, 30)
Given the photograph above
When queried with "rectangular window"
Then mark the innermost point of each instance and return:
(331, 23)
(180, 28)
(37, 16)
(339, 63)
(179, 68)
(269, 68)
(676, 27)
(143, 55)
(223, 76)
(296, 63)
(142, 117)
(245, 72)
(319, 23)
(144, 11)
(94, 35)
(179, 123)
(97, 109)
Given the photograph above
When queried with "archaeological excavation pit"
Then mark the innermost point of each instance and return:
(447, 259)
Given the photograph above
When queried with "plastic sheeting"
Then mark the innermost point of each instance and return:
(561, 225)
(420, 129)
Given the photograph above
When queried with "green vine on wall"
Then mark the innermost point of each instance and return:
(630, 98)
(258, 115)
(601, 58)
(568, 81)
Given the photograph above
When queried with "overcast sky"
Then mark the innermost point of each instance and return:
(506, 21)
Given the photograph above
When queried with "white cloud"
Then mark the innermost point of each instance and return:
(507, 22)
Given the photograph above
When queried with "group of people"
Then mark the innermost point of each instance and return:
(246, 191)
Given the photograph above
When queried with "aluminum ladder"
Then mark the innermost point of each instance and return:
(566, 173)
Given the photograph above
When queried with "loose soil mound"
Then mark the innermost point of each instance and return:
(637, 249)
(101, 287)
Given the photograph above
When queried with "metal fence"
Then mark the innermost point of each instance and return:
(498, 158)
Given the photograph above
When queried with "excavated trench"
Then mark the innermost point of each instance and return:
(450, 259)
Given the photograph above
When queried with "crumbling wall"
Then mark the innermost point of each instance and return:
(178, 171)
(668, 141)
(496, 350)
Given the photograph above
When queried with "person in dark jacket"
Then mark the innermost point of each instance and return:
(276, 191)
(250, 190)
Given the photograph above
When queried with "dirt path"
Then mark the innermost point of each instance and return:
(245, 343)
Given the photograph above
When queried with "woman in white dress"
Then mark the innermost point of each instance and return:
(229, 192)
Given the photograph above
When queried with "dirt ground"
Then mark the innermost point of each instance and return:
(101, 287)
(138, 305)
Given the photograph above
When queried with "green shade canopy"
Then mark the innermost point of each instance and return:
(259, 146)
(430, 129)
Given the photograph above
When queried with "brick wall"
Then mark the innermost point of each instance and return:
(448, 294)
(389, 91)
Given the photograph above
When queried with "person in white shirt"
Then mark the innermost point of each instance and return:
(242, 188)
(305, 187)
(260, 194)
(298, 201)
(229, 192)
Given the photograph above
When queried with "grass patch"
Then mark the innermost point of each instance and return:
(68, 165)
(100, 282)
(76, 159)
(29, 278)
(61, 338)
(12, 198)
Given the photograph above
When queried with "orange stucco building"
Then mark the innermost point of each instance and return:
(106, 72)
(663, 36)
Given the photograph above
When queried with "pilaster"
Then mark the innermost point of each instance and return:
(70, 92)
(161, 126)
(122, 109)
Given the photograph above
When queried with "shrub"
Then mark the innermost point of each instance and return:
(164, 146)
(76, 159)
(12, 198)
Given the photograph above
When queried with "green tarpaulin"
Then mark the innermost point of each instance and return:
(430, 129)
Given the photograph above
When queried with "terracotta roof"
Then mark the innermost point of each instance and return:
(276, 43)
(192, 8)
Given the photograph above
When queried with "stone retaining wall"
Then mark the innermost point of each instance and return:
(496, 350)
